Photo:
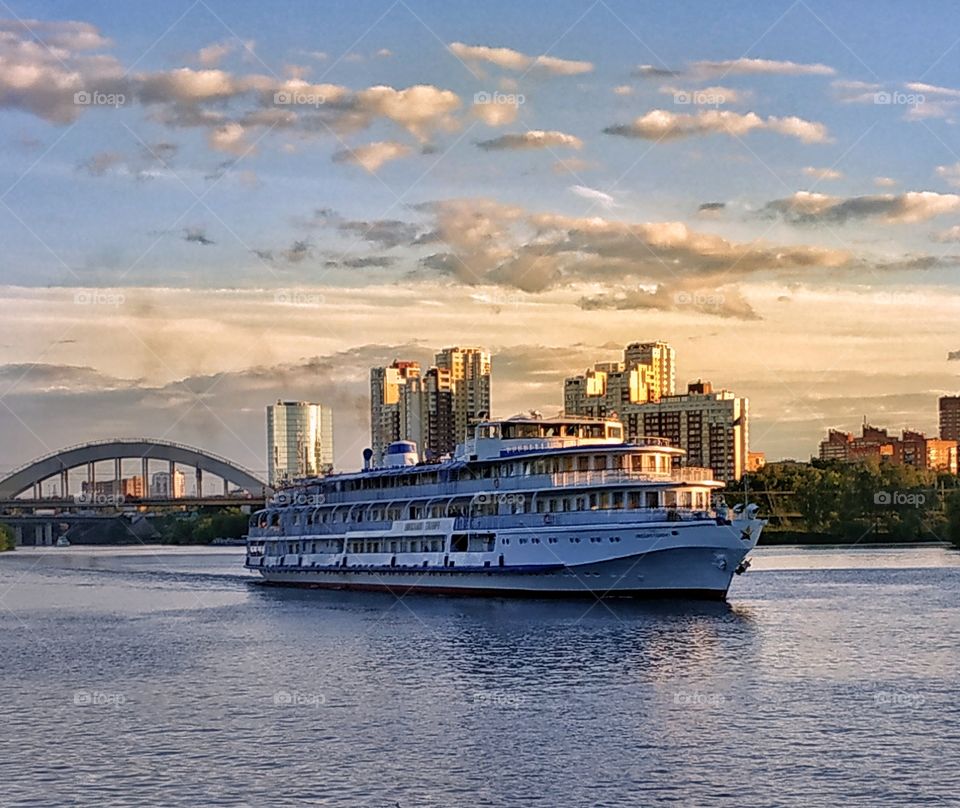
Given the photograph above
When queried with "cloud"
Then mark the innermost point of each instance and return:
(723, 302)
(421, 109)
(711, 210)
(228, 138)
(373, 155)
(214, 53)
(294, 254)
(534, 139)
(950, 173)
(932, 89)
(623, 89)
(707, 96)
(949, 236)
(651, 72)
(605, 200)
(756, 67)
(495, 114)
(823, 173)
(855, 92)
(884, 182)
(99, 164)
(44, 65)
(197, 235)
(148, 163)
(659, 124)
(370, 261)
(491, 243)
(509, 59)
(572, 165)
(805, 208)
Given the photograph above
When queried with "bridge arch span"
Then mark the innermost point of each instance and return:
(62, 461)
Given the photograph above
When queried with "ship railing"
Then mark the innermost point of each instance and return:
(684, 474)
(520, 483)
(605, 517)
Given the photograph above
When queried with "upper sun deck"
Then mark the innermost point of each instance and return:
(522, 435)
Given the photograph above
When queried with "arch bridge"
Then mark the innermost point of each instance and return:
(58, 465)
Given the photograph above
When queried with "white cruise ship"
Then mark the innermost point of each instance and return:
(529, 506)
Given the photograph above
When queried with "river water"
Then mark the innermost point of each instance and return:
(169, 677)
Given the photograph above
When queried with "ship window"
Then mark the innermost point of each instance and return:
(670, 499)
(583, 463)
(653, 499)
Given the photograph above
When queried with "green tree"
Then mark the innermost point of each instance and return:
(7, 539)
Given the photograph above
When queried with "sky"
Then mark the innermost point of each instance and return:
(206, 206)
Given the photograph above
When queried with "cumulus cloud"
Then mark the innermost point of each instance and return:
(823, 173)
(534, 139)
(52, 83)
(509, 59)
(372, 156)
(805, 208)
(214, 53)
(44, 65)
(491, 243)
(228, 138)
(659, 124)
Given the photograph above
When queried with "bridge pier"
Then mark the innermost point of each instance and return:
(145, 474)
(64, 484)
(199, 482)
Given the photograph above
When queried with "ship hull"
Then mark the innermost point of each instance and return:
(683, 572)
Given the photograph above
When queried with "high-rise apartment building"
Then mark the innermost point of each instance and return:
(661, 358)
(950, 418)
(470, 376)
(389, 419)
(641, 391)
(299, 440)
(435, 408)
(428, 407)
(712, 427)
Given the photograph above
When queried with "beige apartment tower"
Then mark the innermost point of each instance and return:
(470, 376)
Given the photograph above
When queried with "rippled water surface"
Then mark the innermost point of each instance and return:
(169, 677)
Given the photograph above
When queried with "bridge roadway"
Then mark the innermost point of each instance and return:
(72, 505)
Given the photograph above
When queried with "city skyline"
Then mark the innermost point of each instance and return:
(266, 210)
